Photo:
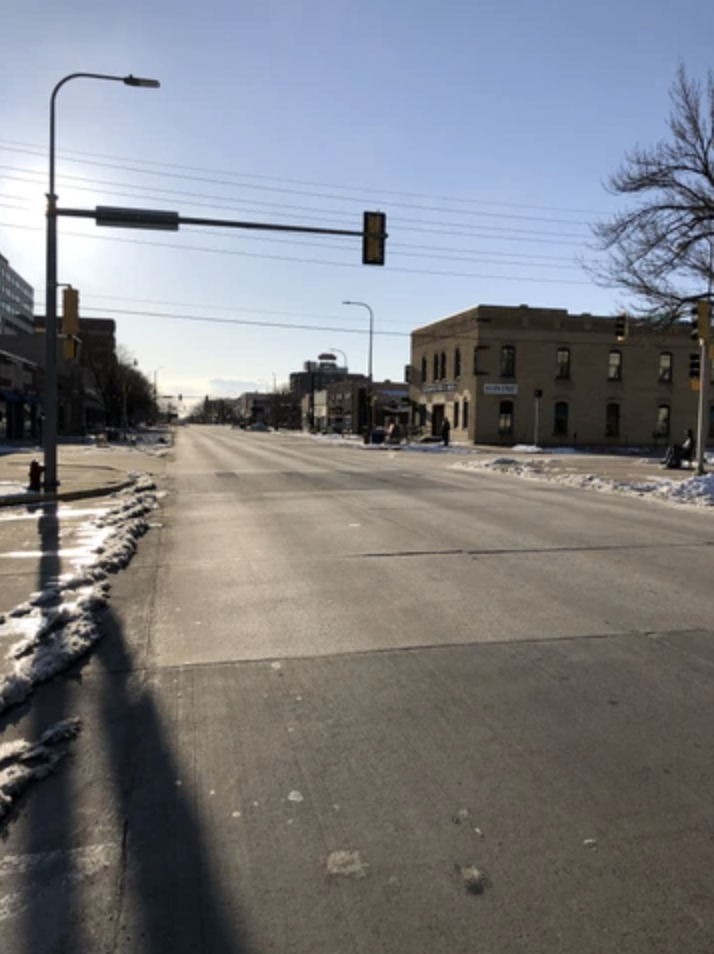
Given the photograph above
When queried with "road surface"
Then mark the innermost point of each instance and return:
(362, 701)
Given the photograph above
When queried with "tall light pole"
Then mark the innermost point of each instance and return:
(49, 432)
(363, 304)
(344, 358)
(156, 391)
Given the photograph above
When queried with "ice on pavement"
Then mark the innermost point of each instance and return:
(57, 625)
(23, 762)
(693, 491)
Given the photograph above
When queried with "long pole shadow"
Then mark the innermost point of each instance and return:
(48, 833)
(171, 901)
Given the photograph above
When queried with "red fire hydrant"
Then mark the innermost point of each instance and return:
(36, 472)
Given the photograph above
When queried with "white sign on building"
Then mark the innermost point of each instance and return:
(500, 389)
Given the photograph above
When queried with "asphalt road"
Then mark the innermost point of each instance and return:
(362, 701)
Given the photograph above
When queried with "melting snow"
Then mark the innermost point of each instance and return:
(695, 491)
(57, 625)
(23, 762)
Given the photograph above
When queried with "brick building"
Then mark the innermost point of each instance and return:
(501, 374)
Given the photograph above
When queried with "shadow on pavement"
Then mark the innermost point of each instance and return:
(169, 892)
(160, 893)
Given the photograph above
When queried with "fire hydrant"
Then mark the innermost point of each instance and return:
(36, 472)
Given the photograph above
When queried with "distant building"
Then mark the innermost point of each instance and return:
(17, 302)
(20, 386)
(510, 375)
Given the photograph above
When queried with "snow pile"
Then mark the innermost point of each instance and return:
(527, 449)
(696, 491)
(57, 625)
(22, 762)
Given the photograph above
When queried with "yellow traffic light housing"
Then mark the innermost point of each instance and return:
(70, 320)
(374, 238)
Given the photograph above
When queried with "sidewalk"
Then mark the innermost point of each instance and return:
(84, 470)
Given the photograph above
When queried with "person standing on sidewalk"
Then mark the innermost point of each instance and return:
(445, 431)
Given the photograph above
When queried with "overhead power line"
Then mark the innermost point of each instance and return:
(304, 261)
(137, 165)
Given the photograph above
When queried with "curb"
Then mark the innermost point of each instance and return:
(16, 500)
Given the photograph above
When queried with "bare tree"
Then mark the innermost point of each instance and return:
(660, 252)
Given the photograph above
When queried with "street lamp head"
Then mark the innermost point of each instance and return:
(139, 81)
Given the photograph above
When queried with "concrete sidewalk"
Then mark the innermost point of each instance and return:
(84, 470)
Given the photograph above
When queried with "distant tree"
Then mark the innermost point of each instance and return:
(661, 251)
(117, 374)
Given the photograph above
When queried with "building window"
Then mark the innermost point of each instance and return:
(505, 417)
(436, 368)
(508, 361)
(614, 366)
(424, 364)
(562, 366)
(456, 413)
(465, 415)
(457, 363)
(443, 366)
(612, 420)
(560, 418)
(663, 420)
(665, 367)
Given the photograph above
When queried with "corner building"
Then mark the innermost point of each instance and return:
(515, 375)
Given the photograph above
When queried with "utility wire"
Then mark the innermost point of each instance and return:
(119, 162)
(305, 261)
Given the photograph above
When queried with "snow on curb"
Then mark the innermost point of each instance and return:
(58, 624)
(22, 763)
(694, 491)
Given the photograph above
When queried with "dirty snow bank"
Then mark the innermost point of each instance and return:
(694, 491)
(58, 624)
(22, 763)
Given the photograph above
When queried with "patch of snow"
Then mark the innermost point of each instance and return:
(527, 449)
(22, 763)
(694, 491)
(57, 625)
(296, 796)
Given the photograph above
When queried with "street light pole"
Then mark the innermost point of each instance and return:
(49, 432)
(363, 304)
(344, 358)
(156, 393)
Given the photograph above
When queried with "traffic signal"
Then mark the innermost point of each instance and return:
(694, 365)
(374, 238)
(621, 327)
(70, 320)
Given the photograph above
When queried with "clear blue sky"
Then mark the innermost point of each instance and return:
(483, 130)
